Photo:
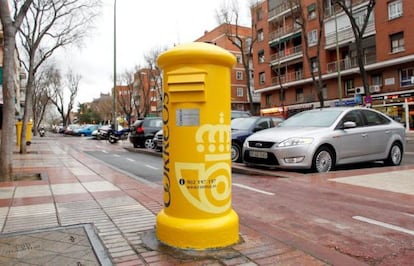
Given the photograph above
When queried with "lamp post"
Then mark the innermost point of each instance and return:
(114, 92)
(338, 63)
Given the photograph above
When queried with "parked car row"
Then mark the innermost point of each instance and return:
(318, 139)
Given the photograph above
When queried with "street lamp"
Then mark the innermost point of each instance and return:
(338, 63)
(114, 93)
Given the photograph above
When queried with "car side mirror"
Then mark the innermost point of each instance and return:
(349, 124)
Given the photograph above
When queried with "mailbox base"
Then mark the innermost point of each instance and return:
(209, 233)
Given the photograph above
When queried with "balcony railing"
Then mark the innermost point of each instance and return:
(349, 63)
(273, 36)
(330, 11)
(288, 77)
(285, 54)
(347, 34)
(280, 10)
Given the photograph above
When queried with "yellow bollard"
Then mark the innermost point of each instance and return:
(197, 211)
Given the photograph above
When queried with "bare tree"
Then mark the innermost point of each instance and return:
(41, 98)
(48, 26)
(314, 62)
(155, 73)
(10, 26)
(58, 96)
(125, 99)
(230, 15)
(358, 29)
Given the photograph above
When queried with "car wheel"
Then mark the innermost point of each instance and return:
(235, 153)
(149, 144)
(82, 135)
(395, 155)
(323, 160)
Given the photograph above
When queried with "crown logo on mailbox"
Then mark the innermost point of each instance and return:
(214, 140)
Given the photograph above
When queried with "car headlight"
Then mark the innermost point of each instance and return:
(294, 142)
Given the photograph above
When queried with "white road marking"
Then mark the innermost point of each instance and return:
(409, 214)
(152, 167)
(104, 151)
(389, 226)
(117, 155)
(131, 160)
(253, 189)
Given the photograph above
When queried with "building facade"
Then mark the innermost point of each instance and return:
(286, 54)
(239, 89)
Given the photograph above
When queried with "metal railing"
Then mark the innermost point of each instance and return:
(349, 63)
(288, 77)
(284, 54)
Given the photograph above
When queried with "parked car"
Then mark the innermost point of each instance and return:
(321, 139)
(143, 131)
(69, 130)
(86, 130)
(158, 138)
(238, 113)
(241, 128)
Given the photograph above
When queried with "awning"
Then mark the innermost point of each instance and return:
(285, 39)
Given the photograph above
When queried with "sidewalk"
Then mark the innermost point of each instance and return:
(86, 213)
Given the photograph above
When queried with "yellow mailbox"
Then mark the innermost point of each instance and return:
(197, 211)
(19, 127)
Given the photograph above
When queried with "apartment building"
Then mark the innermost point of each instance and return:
(239, 89)
(283, 73)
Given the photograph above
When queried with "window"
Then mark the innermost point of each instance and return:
(299, 96)
(262, 78)
(259, 14)
(407, 75)
(325, 92)
(268, 100)
(239, 59)
(377, 79)
(312, 37)
(261, 56)
(239, 92)
(312, 11)
(349, 86)
(314, 64)
(397, 42)
(260, 35)
(395, 9)
(239, 75)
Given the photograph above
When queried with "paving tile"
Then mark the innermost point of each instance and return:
(32, 200)
(32, 191)
(69, 188)
(99, 186)
(6, 192)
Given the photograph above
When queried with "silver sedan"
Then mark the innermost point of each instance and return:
(320, 139)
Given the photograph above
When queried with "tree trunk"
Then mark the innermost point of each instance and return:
(6, 151)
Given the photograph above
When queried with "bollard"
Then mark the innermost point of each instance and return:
(197, 211)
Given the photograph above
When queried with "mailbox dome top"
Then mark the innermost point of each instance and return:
(194, 53)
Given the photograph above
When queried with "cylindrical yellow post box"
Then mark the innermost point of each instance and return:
(197, 211)
(19, 126)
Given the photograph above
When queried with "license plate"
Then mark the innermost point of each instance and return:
(258, 154)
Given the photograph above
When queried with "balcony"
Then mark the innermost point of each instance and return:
(347, 35)
(286, 54)
(335, 9)
(281, 10)
(349, 63)
(284, 34)
(288, 77)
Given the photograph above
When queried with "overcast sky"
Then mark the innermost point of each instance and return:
(141, 27)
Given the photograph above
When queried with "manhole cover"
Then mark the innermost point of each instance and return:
(70, 245)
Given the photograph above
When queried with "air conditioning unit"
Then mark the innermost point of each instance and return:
(359, 90)
(374, 88)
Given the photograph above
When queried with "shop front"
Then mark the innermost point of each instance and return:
(399, 106)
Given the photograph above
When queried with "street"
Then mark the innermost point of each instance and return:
(362, 220)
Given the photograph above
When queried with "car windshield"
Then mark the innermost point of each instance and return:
(242, 123)
(322, 118)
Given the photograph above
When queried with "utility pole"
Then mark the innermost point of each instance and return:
(114, 92)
